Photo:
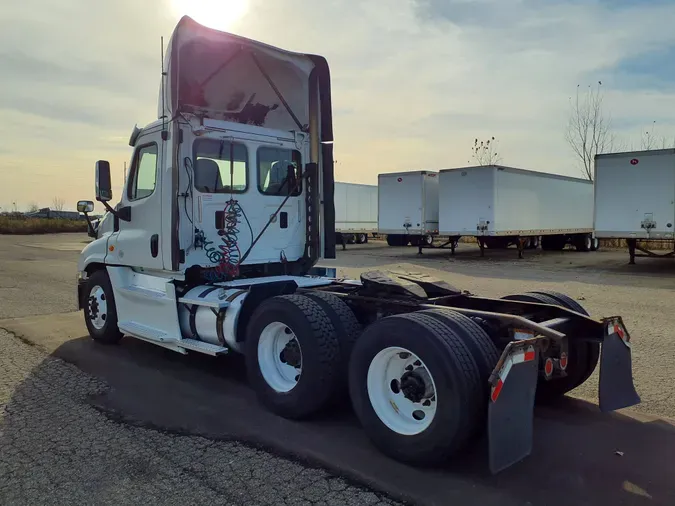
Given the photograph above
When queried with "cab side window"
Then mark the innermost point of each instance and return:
(143, 172)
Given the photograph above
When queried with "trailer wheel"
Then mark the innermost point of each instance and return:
(347, 327)
(480, 345)
(583, 356)
(596, 244)
(535, 242)
(415, 388)
(583, 243)
(292, 355)
(100, 313)
(361, 238)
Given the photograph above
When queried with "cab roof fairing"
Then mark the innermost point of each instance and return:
(219, 75)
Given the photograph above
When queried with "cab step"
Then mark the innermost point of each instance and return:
(143, 331)
(202, 347)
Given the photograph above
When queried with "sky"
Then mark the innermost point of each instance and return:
(414, 81)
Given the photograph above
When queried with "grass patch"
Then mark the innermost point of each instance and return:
(30, 226)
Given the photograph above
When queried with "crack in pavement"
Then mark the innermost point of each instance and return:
(57, 446)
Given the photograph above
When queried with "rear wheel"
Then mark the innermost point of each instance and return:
(482, 349)
(415, 388)
(361, 238)
(595, 244)
(347, 327)
(587, 353)
(100, 312)
(583, 355)
(583, 243)
(292, 355)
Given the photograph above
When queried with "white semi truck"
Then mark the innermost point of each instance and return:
(635, 198)
(408, 207)
(213, 245)
(504, 205)
(355, 212)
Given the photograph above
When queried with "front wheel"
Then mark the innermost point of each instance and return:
(100, 313)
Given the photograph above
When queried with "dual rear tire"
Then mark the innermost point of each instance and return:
(296, 351)
(418, 382)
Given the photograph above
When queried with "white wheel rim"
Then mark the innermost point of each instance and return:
(400, 413)
(97, 307)
(277, 340)
(589, 242)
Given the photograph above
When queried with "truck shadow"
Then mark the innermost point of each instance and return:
(580, 455)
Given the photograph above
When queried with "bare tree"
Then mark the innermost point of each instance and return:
(589, 129)
(667, 143)
(58, 203)
(485, 152)
(33, 207)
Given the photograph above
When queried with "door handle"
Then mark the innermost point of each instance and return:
(154, 245)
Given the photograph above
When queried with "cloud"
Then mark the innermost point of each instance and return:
(414, 83)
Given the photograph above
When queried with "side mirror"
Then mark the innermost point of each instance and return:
(103, 184)
(85, 206)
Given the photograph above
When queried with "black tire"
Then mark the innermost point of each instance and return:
(583, 243)
(361, 238)
(596, 244)
(583, 356)
(351, 238)
(455, 375)
(320, 355)
(109, 333)
(586, 353)
(347, 327)
(482, 348)
(535, 242)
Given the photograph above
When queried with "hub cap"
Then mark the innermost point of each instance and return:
(97, 307)
(402, 391)
(279, 357)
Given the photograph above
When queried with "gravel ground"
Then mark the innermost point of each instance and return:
(57, 449)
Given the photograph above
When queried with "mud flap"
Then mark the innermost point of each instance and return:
(511, 407)
(616, 389)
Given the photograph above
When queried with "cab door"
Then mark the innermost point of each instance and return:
(279, 181)
(138, 242)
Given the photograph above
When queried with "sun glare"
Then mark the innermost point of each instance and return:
(218, 14)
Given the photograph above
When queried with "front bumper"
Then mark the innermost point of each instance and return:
(514, 384)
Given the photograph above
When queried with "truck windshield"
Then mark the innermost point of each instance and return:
(212, 162)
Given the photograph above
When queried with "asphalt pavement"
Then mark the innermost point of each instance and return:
(84, 423)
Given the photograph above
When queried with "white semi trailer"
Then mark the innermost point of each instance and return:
(635, 198)
(504, 205)
(355, 212)
(212, 248)
(408, 207)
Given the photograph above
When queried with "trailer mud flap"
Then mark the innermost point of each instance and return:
(511, 407)
(616, 389)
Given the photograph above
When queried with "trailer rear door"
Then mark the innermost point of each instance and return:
(635, 194)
